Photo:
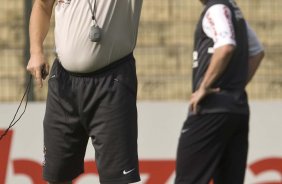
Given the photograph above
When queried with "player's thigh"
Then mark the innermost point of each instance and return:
(200, 148)
(114, 128)
(233, 164)
(65, 139)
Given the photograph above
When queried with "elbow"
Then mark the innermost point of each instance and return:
(262, 54)
(46, 5)
(259, 56)
(228, 50)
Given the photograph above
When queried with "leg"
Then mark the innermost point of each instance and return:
(116, 147)
(113, 127)
(65, 139)
(200, 148)
(232, 166)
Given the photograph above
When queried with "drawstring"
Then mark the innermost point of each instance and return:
(13, 122)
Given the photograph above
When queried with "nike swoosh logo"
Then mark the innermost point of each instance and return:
(127, 172)
(184, 130)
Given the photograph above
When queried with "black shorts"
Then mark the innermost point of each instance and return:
(213, 146)
(100, 105)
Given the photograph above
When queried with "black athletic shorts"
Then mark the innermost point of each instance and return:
(213, 146)
(100, 105)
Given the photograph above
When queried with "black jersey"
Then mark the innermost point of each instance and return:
(232, 97)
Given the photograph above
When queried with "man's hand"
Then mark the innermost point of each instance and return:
(38, 67)
(199, 95)
(38, 29)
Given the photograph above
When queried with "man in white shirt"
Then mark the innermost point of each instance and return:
(92, 87)
(214, 138)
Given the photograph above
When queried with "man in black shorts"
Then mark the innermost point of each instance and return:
(92, 87)
(214, 138)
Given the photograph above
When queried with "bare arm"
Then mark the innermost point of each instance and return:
(254, 62)
(38, 29)
(219, 62)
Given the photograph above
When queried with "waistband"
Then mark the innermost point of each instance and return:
(113, 65)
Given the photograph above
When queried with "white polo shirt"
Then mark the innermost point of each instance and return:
(119, 21)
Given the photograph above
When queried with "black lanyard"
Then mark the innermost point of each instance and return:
(14, 120)
(93, 11)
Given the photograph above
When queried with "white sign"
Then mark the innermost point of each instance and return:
(21, 151)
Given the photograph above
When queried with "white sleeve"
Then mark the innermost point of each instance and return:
(217, 24)
(255, 46)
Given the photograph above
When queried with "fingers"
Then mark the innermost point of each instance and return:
(38, 77)
(31, 70)
(193, 106)
(45, 71)
(198, 96)
(39, 68)
(196, 108)
(38, 73)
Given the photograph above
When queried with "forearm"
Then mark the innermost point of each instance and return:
(39, 24)
(254, 62)
(218, 64)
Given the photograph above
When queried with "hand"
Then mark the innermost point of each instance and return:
(198, 95)
(38, 67)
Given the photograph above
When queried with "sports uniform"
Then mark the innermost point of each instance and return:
(214, 142)
(92, 92)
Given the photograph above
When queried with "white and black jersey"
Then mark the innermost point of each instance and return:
(212, 33)
(221, 127)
